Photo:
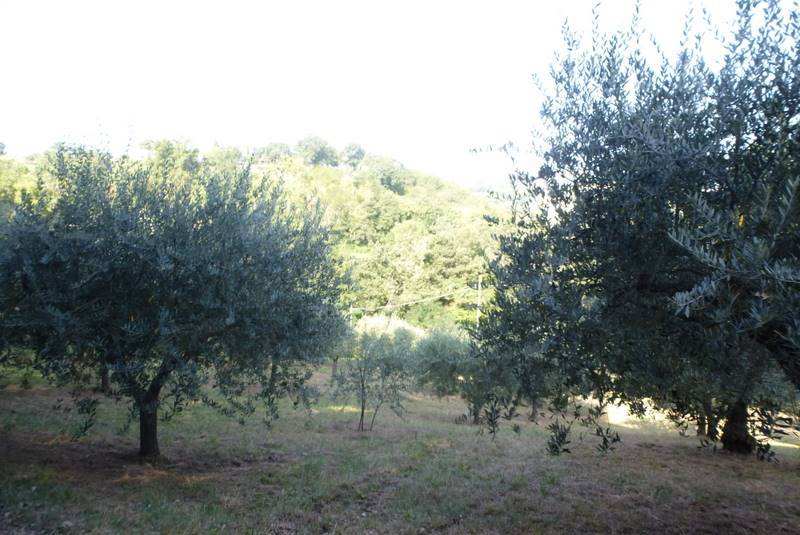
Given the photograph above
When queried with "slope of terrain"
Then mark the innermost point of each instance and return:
(312, 473)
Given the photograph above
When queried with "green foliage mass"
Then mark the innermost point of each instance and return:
(189, 269)
(171, 273)
(14, 177)
(378, 369)
(316, 151)
(668, 184)
(751, 285)
(403, 235)
(352, 155)
(443, 360)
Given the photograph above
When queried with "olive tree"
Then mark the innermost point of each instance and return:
(378, 370)
(443, 361)
(752, 284)
(174, 282)
(447, 363)
(587, 284)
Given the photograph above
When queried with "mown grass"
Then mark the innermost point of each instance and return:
(315, 474)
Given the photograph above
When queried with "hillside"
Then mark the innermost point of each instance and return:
(405, 237)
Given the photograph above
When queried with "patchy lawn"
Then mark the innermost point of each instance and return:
(315, 474)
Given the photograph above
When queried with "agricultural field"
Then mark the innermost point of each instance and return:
(313, 473)
(556, 290)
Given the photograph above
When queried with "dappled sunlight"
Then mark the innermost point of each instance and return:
(782, 444)
(17, 388)
(59, 439)
(440, 443)
(339, 408)
(621, 416)
(338, 473)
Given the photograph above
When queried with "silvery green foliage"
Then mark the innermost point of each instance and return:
(447, 362)
(635, 143)
(443, 361)
(753, 283)
(377, 371)
(173, 275)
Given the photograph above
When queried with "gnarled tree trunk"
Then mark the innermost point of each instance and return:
(148, 432)
(736, 436)
(712, 431)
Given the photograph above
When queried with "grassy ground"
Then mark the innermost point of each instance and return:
(423, 474)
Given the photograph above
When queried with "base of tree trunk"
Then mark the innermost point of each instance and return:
(702, 426)
(148, 434)
(736, 437)
(105, 382)
(475, 415)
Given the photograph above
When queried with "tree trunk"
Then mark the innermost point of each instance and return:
(702, 428)
(334, 367)
(148, 423)
(711, 420)
(736, 437)
(475, 413)
(363, 396)
(534, 415)
(148, 433)
(148, 414)
(105, 382)
(712, 432)
(374, 414)
(363, 410)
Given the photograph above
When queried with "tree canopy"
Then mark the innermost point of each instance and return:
(668, 186)
(172, 274)
(316, 151)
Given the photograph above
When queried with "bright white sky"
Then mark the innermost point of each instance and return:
(420, 81)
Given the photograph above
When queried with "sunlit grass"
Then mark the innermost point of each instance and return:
(338, 408)
(315, 473)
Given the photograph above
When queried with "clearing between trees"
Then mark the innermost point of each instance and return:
(314, 473)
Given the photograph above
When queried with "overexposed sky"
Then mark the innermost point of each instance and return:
(420, 81)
